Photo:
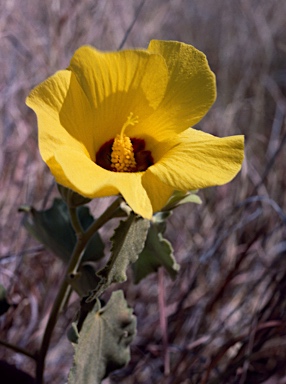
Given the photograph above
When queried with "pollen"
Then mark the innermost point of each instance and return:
(122, 155)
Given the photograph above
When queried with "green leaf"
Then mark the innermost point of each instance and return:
(52, 227)
(72, 198)
(160, 220)
(127, 243)
(178, 198)
(156, 253)
(4, 305)
(103, 343)
(85, 280)
(72, 333)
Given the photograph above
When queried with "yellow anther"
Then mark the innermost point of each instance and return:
(122, 156)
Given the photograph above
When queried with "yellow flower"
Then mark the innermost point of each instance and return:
(118, 123)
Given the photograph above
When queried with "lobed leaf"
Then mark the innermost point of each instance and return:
(156, 253)
(52, 227)
(103, 343)
(127, 243)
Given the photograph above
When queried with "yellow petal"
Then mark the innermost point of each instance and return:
(64, 115)
(118, 83)
(191, 88)
(77, 172)
(199, 160)
(158, 192)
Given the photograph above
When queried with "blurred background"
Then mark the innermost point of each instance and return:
(226, 311)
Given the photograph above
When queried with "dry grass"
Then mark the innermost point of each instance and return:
(227, 310)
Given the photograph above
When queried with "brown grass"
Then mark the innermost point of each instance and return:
(226, 310)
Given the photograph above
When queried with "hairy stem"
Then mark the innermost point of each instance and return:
(75, 221)
(64, 290)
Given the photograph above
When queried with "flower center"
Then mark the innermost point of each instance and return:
(124, 154)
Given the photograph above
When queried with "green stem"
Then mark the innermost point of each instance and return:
(64, 290)
(95, 226)
(17, 349)
(75, 221)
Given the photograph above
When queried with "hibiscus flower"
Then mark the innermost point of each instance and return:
(119, 123)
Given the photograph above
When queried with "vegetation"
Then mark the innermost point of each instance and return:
(223, 319)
